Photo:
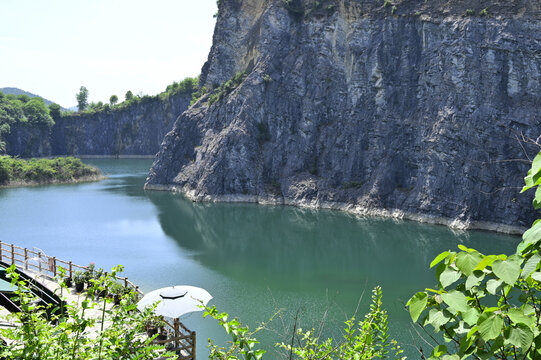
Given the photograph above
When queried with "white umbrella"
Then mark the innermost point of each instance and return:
(175, 301)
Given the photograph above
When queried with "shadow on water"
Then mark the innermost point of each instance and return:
(291, 248)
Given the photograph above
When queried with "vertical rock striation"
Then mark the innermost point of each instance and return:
(415, 114)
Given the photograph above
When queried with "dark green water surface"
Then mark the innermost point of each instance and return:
(252, 259)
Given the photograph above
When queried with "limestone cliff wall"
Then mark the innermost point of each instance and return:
(412, 111)
(135, 130)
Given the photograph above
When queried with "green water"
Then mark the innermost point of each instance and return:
(252, 259)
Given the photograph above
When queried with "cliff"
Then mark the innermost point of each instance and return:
(137, 129)
(408, 108)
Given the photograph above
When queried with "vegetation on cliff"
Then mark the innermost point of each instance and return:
(44, 171)
(187, 86)
(23, 110)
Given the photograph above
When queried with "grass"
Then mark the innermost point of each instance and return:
(14, 171)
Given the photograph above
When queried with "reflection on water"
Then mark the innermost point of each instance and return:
(252, 259)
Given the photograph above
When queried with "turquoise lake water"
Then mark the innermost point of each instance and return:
(253, 259)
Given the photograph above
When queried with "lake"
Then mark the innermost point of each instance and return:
(253, 259)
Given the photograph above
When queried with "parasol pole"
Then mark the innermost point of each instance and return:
(177, 332)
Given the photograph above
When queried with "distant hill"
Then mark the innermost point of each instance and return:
(16, 91)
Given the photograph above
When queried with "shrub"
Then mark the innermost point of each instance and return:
(487, 305)
(365, 339)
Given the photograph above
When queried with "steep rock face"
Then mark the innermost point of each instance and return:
(136, 130)
(415, 115)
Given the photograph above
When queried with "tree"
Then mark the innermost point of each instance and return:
(129, 95)
(37, 113)
(487, 306)
(82, 98)
(113, 99)
(54, 111)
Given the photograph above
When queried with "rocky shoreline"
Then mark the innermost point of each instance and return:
(269, 199)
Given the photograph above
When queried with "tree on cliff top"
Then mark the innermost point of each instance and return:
(113, 99)
(82, 98)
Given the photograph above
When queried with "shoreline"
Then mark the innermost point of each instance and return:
(357, 210)
(84, 179)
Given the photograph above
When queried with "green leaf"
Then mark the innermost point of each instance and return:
(417, 304)
(474, 279)
(466, 262)
(439, 351)
(439, 258)
(456, 300)
(487, 260)
(530, 236)
(536, 276)
(531, 265)
(493, 285)
(438, 318)
(489, 325)
(507, 270)
(517, 316)
(519, 335)
(471, 316)
(449, 276)
(537, 199)
(533, 176)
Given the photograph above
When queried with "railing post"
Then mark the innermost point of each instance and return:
(126, 282)
(193, 346)
(54, 265)
(12, 254)
(39, 261)
(25, 258)
(1, 251)
(71, 269)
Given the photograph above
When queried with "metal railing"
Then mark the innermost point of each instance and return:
(36, 260)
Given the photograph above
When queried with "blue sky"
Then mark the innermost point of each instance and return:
(52, 47)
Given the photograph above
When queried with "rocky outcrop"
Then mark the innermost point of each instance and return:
(403, 110)
(137, 129)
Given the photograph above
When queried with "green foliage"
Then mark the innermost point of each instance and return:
(129, 95)
(113, 100)
(82, 98)
(483, 12)
(37, 113)
(226, 88)
(55, 111)
(267, 79)
(43, 335)
(469, 12)
(366, 339)
(487, 305)
(44, 170)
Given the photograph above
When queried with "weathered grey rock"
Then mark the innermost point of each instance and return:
(414, 116)
(135, 130)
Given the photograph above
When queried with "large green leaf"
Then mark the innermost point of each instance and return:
(507, 270)
(474, 279)
(536, 276)
(493, 285)
(530, 236)
(456, 300)
(517, 316)
(534, 174)
(439, 351)
(467, 261)
(530, 266)
(519, 335)
(438, 318)
(471, 316)
(439, 258)
(417, 304)
(490, 325)
(449, 276)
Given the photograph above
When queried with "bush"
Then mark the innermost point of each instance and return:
(44, 334)
(487, 305)
(365, 339)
